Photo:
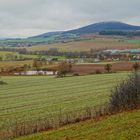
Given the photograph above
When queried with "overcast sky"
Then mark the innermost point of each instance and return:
(23, 18)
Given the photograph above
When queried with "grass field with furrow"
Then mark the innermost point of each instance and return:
(31, 98)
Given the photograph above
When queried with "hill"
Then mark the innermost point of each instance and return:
(123, 126)
(93, 28)
(105, 26)
(101, 28)
(46, 35)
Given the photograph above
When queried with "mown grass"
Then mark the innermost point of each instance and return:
(26, 99)
(123, 126)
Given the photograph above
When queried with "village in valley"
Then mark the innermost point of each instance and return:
(70, 70)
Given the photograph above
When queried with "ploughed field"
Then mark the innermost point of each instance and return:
(28, 99)
(92, 68)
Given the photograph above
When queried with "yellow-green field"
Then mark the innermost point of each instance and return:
(30, 98)
(13, 56)
(124, 126)
(86, 45)
(3, 53)
(6, 64)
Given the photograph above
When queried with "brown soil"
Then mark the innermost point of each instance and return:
(92, 68)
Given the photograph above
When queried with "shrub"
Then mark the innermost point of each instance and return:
(91, 73)
(76, 74)
(126, 95)
(108, 68)
(98, 72)
(2, 82)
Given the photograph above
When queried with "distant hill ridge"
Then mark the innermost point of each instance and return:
(45, 35)
(105, 26)
(102, 28)
(93, 28)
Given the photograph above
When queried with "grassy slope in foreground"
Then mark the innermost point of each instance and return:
(124, 126)
(27, 99)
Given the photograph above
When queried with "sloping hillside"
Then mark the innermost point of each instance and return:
(86, 45)
(92, 28)
(103, 26)
(124, 126)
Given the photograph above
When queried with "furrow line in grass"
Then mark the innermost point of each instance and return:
(54, 104)
(50, 88)
(71, 94)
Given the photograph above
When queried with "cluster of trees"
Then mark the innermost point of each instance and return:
(69, 54)
(52, 52)
(19, 50)
(122, 33)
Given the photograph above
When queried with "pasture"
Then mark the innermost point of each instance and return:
(28, 99)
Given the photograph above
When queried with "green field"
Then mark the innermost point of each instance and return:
(133, 41)
(26, 99)
(5, 55)
(124, 126)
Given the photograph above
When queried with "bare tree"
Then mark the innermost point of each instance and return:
(108, 68)
(136, 66)
(63, 69)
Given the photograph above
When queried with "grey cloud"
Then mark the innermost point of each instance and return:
(29, 17)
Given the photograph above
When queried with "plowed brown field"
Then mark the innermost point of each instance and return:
(91, 68)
